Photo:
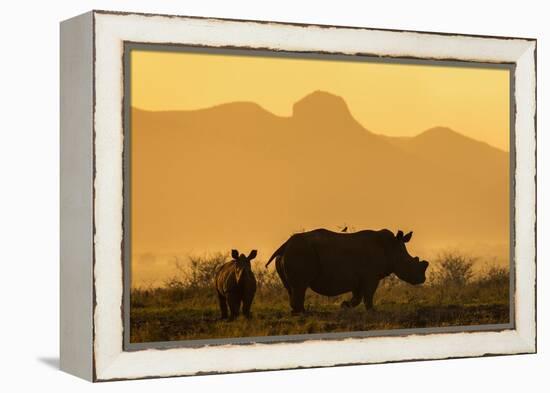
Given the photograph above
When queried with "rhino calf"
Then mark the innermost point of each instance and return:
(236, 284)
(333, 263)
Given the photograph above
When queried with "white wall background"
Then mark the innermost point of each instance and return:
(29, 182)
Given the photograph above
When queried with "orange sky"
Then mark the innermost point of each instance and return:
(390, 99)
(207, 181)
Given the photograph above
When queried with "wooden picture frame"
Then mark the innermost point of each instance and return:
(94, 241)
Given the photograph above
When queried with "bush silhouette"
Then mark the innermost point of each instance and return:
(453, 269)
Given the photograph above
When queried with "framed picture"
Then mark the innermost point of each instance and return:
(246, 195)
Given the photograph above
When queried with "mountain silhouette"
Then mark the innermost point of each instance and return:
(238, 176)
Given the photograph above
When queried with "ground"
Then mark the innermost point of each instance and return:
(187, 310)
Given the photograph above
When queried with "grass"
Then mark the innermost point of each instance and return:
(186, 308)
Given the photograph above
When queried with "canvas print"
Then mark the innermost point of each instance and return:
(289, 195)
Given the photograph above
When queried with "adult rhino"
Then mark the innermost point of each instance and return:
(332, 264)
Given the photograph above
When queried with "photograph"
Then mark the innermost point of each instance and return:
(293, 195)
(212, 196)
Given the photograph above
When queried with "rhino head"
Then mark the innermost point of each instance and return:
(406, 267)
(243, 268)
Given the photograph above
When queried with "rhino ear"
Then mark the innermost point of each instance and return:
(252, 255)
(399, 235)
(407, 237)
(234, 254)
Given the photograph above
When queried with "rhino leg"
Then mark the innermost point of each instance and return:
(247, 304)
(369, 290)
(234, 305)
(280, 271)
(246, 309)
(356, 297)
(297, 298)
(223, 305)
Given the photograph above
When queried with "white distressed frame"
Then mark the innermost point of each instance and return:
(111, 30)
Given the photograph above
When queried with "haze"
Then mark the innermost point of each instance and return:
(228, 153)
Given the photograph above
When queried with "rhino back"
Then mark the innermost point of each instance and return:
(345, 259)
(225, 278)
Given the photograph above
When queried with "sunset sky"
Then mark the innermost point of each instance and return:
(390, 99)
(226, 174)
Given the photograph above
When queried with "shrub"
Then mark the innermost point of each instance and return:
(453, 268)
(494, 276)
(198, 273)
(267, 280)
(195, 278)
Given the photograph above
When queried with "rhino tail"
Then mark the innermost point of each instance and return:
(280, 251)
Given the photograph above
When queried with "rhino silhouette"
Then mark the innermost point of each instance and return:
(334, 263)
(236, 285)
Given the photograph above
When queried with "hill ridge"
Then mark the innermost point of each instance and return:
(309, 108)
